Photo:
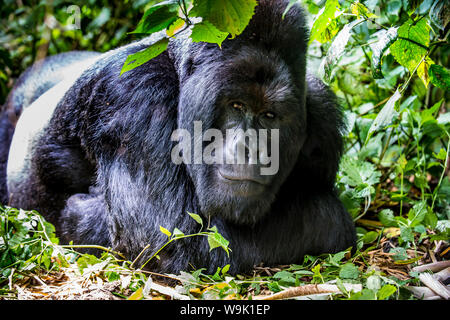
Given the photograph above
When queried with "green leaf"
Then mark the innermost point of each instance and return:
(206, 32)
(399, 253)
(373, 282)
(361, 10)
(225, 269)
(423, 70)
(357, 172)
(411, 44)
(337, 49)
(174, 27)
(440, 76)
(370, 237)
(417, 213)
(349, 271)
(325, 25)
(317, 277)
(428, 114)
(385, 39)
(431, 220)
(216, 240)
(385, 116)
(386, 291)
(231, 16)
(165, 231)
(336, 258)
(177, 233)
(365, 294)
(139, 58)
(137, 295)
(158, 17)
(406, 234)
(196, 217)
(386, 217)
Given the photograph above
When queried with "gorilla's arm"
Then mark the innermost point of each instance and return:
(319, 158)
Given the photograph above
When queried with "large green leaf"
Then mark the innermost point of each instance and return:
(141, 57)
(385, 39)
(158, 17)
(325, 25)
(357, 172)
(337, 49)
(231, 16)
(440, 76)
(411, 44)
(206, 32)
(216, 240)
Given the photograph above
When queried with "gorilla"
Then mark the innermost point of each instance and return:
(91, 150)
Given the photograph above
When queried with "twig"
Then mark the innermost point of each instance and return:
(434, 285)
(310, 289)
(168, 291)
(442, 275)
(90, 246)
(433, 267)
(423, 293)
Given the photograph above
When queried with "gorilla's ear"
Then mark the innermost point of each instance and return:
(320, 155)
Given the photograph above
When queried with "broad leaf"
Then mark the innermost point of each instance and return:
(231, 16)
(349, 271)
(385, 116)
(411, 44)
(158, 17)
(325, 26)
(174, 27)
(165, 231)
(357, 172)
(216, 240)
(361, 10)
(385, 39)
(386, 291)
(440, 76)
(206, 32)
(387, 218)
(196, 217)
(417, 213)
(139, 58)
(423, 70)
(336, 50)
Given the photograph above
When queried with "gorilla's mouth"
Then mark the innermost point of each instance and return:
(242, 176)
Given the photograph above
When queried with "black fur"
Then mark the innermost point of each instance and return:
(102, 172)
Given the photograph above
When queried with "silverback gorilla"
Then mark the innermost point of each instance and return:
(92, 150)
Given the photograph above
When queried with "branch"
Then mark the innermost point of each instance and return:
(310, 289)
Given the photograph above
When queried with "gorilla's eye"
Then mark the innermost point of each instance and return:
(269, 115)
(237, 105)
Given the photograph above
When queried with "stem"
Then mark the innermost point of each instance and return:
(443, 172)
(385, 146)
(91, 246)
(170, 241)
(406, 84)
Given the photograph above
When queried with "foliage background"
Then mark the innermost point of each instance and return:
(393, 178)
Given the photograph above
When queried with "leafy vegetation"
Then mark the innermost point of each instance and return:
(388, 63)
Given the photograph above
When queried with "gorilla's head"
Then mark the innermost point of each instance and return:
(254, 83)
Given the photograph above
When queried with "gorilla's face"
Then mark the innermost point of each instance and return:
(252, 120)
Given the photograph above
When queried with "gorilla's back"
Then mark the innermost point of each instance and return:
(35, 81)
